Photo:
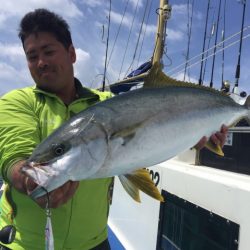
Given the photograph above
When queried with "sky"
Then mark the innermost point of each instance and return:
(88, 20)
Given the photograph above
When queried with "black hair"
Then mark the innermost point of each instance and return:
(43, 20)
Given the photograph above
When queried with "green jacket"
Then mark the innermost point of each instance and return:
(27, 116)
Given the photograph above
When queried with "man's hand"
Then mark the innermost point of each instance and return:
(219, 138)
(57, 197)
(25, 185)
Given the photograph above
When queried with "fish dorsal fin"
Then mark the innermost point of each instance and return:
(140, 180)
(214, 148)
(157, 78)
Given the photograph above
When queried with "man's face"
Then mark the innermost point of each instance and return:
(49, 62)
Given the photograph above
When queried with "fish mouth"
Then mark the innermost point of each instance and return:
(33, 165)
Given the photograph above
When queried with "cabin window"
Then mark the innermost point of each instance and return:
(185, 226)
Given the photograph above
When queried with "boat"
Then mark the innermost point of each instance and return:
(206, 196)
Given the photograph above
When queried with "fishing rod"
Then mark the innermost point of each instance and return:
(237, 73)
(215, 42)
(189, 33)
(204, 42)
(208, 45)
(223, 45)
(107, 45)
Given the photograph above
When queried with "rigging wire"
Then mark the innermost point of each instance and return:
(223, 44)
(215, 42)
(132, 24)
(204, 43)
(107, 46)
(138, 39)
(237, 73)
(118, 32)
(226, 47)
(217, 45)
(144, 34)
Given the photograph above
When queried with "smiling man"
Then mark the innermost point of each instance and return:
(79, 209)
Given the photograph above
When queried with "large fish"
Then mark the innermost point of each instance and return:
(127, 132)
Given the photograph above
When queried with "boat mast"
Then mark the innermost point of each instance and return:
(164, 14)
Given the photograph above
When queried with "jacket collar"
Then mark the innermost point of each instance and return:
(82, 92)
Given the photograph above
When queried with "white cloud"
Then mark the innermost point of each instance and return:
(134, 3)
(93, 3)
(174, 35)
(117, 17)
(11, 51)
(12, 78)
(13, 8)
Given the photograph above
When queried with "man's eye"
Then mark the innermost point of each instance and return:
(32, 58)
(49, 52)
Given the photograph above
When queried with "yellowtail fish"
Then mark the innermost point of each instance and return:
(119, 136)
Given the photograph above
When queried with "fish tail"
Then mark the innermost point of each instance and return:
(140, 180)
(247, 105)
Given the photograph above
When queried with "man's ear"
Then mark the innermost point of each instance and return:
(72, 53)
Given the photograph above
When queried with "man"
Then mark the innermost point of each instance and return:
(79, 209)
(30, 115)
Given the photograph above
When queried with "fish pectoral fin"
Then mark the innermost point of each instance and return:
(214, 148)
(130, 188)
(141, 180)
(126, 134)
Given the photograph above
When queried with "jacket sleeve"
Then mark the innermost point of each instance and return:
(19, 128)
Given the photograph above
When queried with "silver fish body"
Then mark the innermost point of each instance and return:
(138, 129)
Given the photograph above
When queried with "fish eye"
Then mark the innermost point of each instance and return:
(59, 149)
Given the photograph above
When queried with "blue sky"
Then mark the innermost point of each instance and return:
(88, 19)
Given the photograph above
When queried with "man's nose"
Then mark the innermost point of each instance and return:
(42, 62)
